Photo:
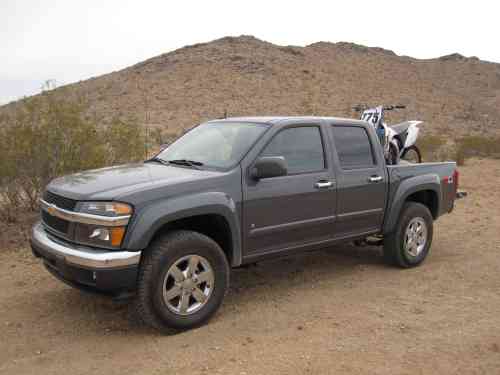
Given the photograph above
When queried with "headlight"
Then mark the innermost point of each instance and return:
(102, 235)
(106, 208)
(99, 236)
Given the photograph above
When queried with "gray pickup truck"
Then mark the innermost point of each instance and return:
(233, 192)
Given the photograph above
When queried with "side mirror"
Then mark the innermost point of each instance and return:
(269, 166)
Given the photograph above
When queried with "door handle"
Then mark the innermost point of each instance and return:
(323, 184)
(375, 179)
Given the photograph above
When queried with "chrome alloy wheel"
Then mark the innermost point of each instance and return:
(188, 285)
(415, 236)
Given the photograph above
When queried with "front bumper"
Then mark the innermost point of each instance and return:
(86, 268)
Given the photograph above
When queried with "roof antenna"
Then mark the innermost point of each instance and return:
(225, 113)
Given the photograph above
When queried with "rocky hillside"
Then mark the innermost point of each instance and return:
(247, 76)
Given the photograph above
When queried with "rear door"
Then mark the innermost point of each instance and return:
(361, 180)
(292, 211)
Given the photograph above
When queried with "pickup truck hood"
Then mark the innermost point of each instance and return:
(113, 182)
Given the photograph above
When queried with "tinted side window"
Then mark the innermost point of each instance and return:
(301, 147)
(353, 147)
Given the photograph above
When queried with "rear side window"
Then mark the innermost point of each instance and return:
(301, 147)
(353, 147)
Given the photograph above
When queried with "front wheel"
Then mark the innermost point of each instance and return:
(182, 281)
(411, 240)
(412, 154)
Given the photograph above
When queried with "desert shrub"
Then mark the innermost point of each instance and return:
(430, 143)
(431, 147)
(459, 156)
(157, 135)
(477, 145)
(125, 142)
(47, 136)
(434, 148)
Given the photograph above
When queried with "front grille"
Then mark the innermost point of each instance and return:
(61, 202)
(55, 223)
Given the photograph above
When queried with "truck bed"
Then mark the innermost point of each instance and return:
(442, 172)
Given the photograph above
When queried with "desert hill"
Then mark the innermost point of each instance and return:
(247, 76)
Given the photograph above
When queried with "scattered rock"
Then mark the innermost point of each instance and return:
(417, 310)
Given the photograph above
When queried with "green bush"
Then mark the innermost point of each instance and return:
(476, 145)
(430, 143)
(125, 142)
(434, 148)
(431, 147)
(459, 156)
(47, 136)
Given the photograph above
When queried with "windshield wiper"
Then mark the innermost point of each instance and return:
(189, 163)
(157, 159)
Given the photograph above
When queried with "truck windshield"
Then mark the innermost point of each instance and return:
(217, 145)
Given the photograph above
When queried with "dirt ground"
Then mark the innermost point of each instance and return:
(340, 310)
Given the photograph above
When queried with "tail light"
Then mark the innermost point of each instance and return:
(453, 179)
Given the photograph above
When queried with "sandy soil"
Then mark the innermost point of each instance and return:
(336, 311)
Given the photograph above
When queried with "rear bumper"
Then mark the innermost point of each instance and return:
(93, 270)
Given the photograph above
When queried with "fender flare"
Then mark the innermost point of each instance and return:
(151, 218)
(406, 188)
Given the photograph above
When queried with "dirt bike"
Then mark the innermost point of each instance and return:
(398, 141)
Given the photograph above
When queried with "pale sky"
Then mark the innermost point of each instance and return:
(69, 40)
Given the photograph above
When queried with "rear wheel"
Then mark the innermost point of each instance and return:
(393, 158)
(410, 243)
(182, 281)
(412, 154)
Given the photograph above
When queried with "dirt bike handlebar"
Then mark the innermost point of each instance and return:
(362, 107)
(392, 107)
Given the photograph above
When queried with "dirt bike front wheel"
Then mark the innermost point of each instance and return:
(412, 154)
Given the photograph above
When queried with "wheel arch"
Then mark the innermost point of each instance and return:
(213, 214)
(428, 198)
(425, 189)
(214, 226)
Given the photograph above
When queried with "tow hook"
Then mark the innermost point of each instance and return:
(461, 194)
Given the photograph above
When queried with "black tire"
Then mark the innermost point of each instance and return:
(393, 154)
(164, 252)
(414, 149)
(394, 243)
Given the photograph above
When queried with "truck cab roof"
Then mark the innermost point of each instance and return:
(283, 120)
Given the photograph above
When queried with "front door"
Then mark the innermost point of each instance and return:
(290, 211)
